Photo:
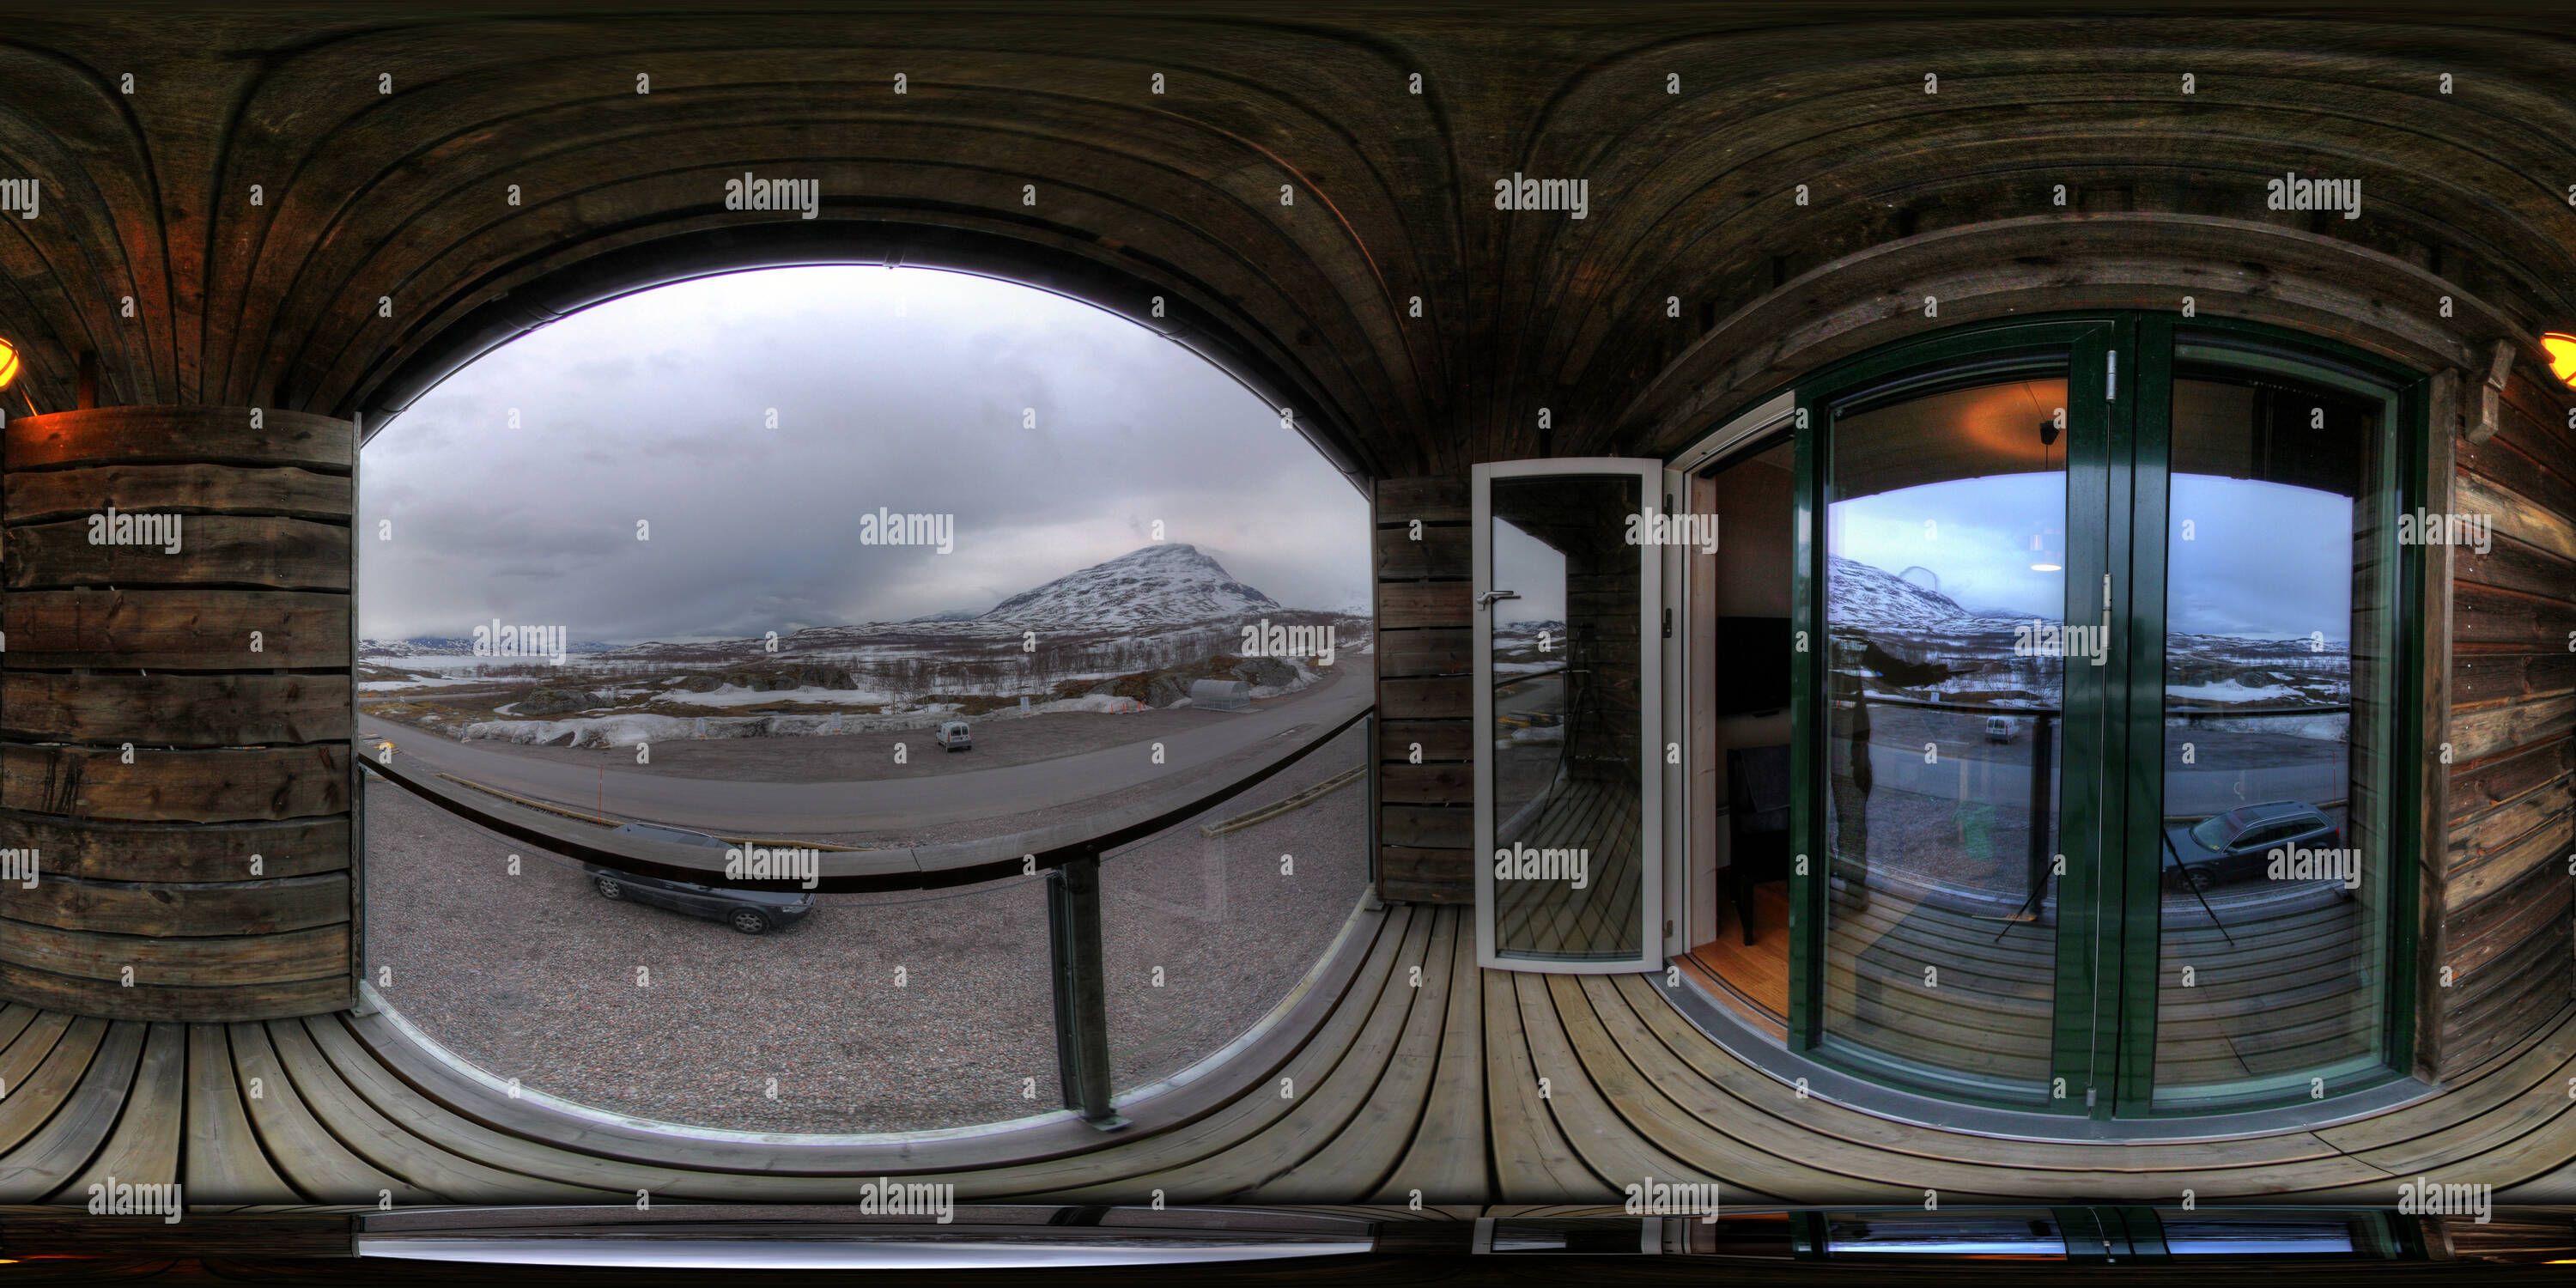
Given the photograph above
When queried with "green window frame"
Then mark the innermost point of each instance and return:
(2119, 366)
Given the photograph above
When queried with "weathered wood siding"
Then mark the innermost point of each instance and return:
(1425, 694)
(175, 725)
(2505, 937)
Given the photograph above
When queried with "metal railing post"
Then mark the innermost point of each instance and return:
(1081, 990)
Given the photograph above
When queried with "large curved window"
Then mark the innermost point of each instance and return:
(2097, 753)
(755, 588)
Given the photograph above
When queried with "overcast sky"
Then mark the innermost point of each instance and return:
(905, 388)
(2264, 560)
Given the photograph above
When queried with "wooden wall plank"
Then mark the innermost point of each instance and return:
(1405, 604)
(180, 434)
(1438, 552)
(194, 961)
(178, 710)
(177, 786)
(245, 908)
(1439, 498)
(207, 1004)
(183, 630)
(109, 850)
(194, 488)
(214, 550)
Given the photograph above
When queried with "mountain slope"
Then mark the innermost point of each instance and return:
(1164, 583)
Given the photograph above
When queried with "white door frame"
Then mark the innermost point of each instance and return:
(1683, 684)
(1650, 708)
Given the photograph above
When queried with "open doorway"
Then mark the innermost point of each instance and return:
(1739, 656)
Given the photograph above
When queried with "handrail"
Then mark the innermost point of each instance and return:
(898, 868)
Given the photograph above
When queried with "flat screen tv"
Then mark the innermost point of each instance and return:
(1752, 665)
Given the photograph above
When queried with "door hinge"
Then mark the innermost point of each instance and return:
(2088, 1097)
(1668, 927)
(2113, 374)
(1668, 623)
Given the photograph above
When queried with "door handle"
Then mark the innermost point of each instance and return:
(1486, 600)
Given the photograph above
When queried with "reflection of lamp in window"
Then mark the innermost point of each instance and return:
(2562, 356)
(2042, 558)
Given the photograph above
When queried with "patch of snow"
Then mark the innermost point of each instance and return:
(2232, 691)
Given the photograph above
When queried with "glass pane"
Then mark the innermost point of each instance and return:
(1568, 826)
(651, 1003)
(2338, 1235)
(2280, 561)
(1208, 926)
(1944, 607)
(1998, 1234)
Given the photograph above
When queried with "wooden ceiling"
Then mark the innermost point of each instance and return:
(374, 201)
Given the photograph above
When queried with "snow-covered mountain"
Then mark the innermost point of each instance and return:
(1863, 598)
(1173, 582)
(952, 615)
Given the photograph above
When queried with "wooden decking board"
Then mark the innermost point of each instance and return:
(307, 1155)
(1246, 1115)
(1317, 1111)
(1531, 1157)
(224, 1161)
(1399, 1089)
(29, 1101)
(43, 1162)
(144, 1147)
(440, 1166)
(1615, 1151)
(1358, 1159)
(1449, 1158)
(2542, 1065)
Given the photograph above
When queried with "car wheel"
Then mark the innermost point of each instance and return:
(609, 889)
(2202, 879)
(750, 922)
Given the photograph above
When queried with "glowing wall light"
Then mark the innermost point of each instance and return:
(2562, 356)
(8, 363)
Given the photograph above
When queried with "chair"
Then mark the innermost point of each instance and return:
(1757, 823)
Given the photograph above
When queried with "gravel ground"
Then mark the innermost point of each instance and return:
(535, 977)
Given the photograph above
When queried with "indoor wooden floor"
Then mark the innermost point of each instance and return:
(1395, 1088)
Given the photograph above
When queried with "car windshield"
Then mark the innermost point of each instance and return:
(2211, 832)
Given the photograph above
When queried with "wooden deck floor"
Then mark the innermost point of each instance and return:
(1471, 1086)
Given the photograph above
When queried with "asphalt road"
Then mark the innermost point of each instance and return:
(878, 805)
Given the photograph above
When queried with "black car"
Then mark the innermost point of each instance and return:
(753, 912)
(2237, 845)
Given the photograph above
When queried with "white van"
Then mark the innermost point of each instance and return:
(2002, 728)
(953, 736)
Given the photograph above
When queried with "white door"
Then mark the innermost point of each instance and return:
(1569, 744)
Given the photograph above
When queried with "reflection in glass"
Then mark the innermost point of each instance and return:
(1945, 602)
(2275, 854)
(1567, 825)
